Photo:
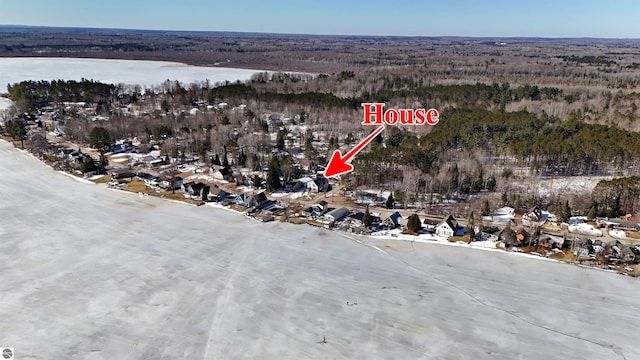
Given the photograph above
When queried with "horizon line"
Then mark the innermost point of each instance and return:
(17, 26)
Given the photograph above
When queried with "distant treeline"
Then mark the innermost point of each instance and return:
(591, 60)
(37, 94)
(396, 88)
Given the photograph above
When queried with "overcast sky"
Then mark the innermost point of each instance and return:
(542, 18)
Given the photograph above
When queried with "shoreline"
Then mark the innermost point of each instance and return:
(351, 236)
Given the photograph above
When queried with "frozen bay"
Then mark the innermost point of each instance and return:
(131, 72)
(90, 273)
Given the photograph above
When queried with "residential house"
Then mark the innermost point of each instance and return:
(336, 214)
(395, 220)
(120, 173)
(533, 217)
(618, 252)
(355, 219)
(251, 200)
(256, 200)
(217, 194)
(195, 189)
(174, 183)
(221, 173)
(447, 227)
(490, 233)
(306, 184)
(430, 224)
(316, 210)
(148, 179)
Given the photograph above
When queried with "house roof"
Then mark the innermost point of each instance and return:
(451, 222)
(259, 197)
(356, 216)
(397, 219)
(337, 212)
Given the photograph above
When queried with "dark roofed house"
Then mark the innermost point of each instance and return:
(355, 219)
(430, 224)
(256, 200)
(395, 220)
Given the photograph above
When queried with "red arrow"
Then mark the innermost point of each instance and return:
(338, 164)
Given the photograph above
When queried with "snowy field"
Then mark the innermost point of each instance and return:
(132, 72)
(92, 273)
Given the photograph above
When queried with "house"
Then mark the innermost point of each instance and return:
(315, 210)
(395, 220)
(256, 200)
(195, 189)
(120, 173)
(533, 217)
(621, 253)
(221, 173)
(447, 227)
(306, 184)
(217, 194)
(430, 224)
(148, 179)
(241, 199)
(490, 233)
(171, 184)
(355, 219)
(336, 214)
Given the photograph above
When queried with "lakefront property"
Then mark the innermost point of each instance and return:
(160, 165)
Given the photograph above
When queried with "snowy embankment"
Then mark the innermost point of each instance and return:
(90, 273)
(5, 104)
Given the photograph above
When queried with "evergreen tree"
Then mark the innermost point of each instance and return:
(413, 223)
(455, 178)
(100, 139)
(273, 174)
(591, 215)
(491, 183)
(280, 140)
(87, 165)
(18, 131)
(242, 158)
(486, 210)
(366, 218)
(470, 229)
(225, 158)
(565, 212)
(257, 181)
(390, 202)
(216, 160)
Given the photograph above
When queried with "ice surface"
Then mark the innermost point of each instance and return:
(146, 73)
(89, 273)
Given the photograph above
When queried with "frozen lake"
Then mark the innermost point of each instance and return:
(146, 73)
(90, 273)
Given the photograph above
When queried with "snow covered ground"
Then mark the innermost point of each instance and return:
(89, 273)
(146, 73)
(5, 104)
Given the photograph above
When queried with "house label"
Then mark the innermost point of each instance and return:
(374, 114)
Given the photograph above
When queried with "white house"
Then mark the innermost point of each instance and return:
(447, 227)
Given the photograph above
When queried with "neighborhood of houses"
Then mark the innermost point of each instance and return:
(318, 201)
